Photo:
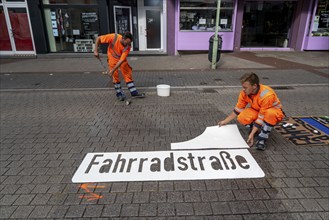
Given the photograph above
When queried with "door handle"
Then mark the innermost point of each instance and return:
(11, 32)
(141, 29)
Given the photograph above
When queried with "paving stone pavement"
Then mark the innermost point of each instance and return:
(50, 122)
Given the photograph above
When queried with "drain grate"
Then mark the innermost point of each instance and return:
(282, 87)
(208, 91)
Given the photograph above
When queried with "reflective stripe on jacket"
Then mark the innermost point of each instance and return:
(115, 49)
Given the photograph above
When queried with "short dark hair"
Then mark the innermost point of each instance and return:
(252, 78)
(128, 35)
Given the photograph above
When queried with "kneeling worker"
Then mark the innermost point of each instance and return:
(263, 113)
(117, 52)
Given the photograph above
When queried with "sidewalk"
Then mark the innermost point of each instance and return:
(236, 60)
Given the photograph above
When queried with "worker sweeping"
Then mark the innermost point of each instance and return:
(117, 52)
(262, 114)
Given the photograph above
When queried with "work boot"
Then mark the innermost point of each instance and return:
(121, 96)
(260, 145)
(138, 95)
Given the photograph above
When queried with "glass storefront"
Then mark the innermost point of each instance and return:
(15, 31)
(5, 44)
(320, 26)
(70, 2)
(71, 29)
(267, 23)
(201, 15)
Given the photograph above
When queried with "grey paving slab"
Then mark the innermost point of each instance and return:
(158, 197)
(148, 210)
(93, 211)
(166, 209)
(112, 210)
(239, 207)
(57, 212)
(221, 208)
(141, 197)
(184, 209)
(22, 212)
(7, 211)
(40, 212)
(316, 58)
(75, 211)
(129, 210)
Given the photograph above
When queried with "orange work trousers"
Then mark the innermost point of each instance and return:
(126, 70)
(272, 116)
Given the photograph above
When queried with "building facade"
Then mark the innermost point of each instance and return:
(162, 26)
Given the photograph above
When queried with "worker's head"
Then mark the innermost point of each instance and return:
(127, 38)
(250, 83)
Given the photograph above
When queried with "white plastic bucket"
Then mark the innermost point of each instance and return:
(163, 90)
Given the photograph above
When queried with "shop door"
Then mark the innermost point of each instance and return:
(150, 25)
(153, 30)
(267, 23)
(15, 31)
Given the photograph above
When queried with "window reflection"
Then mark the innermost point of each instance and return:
(153, 3)
(267, 24)
(201, 15)
(70, 2)
(72, 29)
(320, 25)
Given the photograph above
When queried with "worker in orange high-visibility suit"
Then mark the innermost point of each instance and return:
(263, 113)
(117, 52)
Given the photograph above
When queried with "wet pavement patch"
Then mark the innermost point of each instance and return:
(282, 87)
(208, 91)
(305, 131)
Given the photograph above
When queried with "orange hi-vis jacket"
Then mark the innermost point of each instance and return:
(115, 50)
(264, 106)
(115, 53)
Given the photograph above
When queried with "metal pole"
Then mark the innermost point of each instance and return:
(215, 44)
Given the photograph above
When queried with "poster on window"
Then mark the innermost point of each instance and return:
(324, 19)
(122, 22)
(89, 23)
(323, 13)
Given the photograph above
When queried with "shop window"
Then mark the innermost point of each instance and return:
(201, 15)
(320, 25)
(72, 29)
(267, 24)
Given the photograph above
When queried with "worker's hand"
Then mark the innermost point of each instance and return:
(111, 72)
(250, 140)
(96, 54)
(221, 123)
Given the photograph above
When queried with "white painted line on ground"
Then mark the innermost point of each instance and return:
(154, 87)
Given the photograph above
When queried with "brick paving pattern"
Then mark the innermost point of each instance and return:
(45, 134)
